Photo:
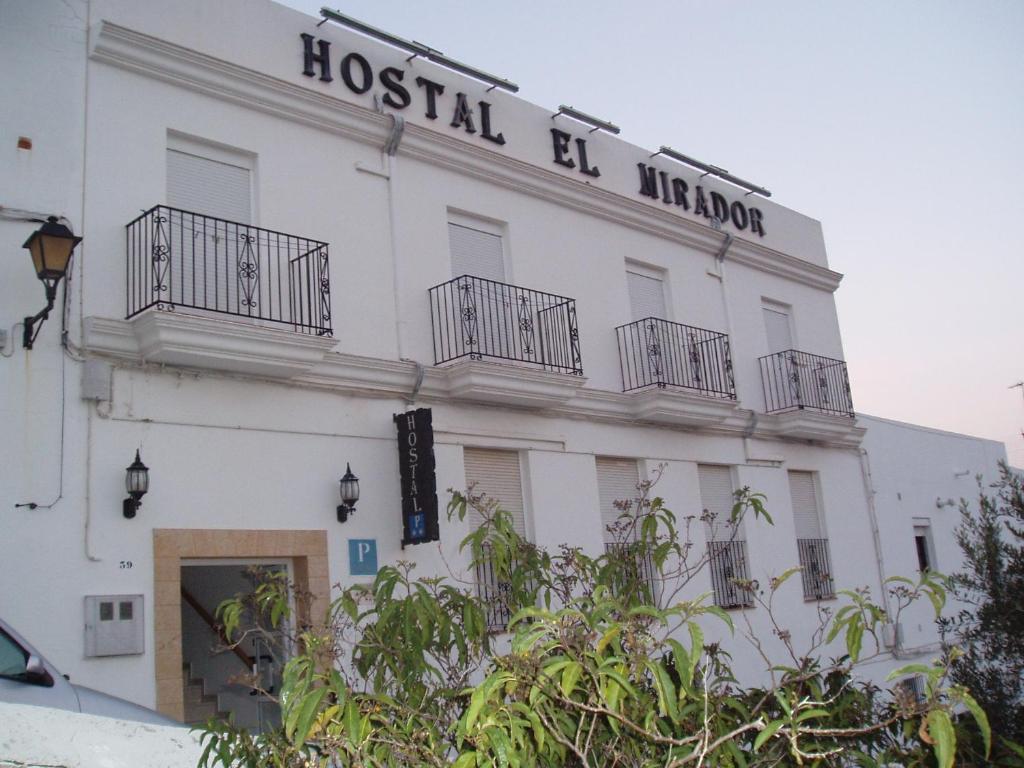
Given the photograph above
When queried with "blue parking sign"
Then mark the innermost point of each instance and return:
(362, 557)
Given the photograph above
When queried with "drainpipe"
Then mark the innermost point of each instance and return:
(720, 261)
(390, 149)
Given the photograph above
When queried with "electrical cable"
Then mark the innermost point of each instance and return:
(63, 412)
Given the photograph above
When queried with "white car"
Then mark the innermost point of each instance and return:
(28, 678)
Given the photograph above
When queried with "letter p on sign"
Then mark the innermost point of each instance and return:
(362, 557)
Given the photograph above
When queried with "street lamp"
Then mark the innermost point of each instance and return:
(136, 481)
(50, 246)
(348, 487)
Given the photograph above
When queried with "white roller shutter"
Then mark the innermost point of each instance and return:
(806, 517)
(475, 252)
(646, 296)
(716, 496)
(209, 187)
(496, 474)
(617, 480)
(776, 325)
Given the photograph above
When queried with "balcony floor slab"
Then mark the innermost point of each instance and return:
(194, 341)
(485, 382)
(679, 407)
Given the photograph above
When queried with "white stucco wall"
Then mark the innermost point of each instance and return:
(229, 450)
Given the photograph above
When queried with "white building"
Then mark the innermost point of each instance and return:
(249, 367)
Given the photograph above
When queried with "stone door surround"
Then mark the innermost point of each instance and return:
(306, 549)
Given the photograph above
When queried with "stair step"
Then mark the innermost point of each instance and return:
(201, 712)
(199, 705)
(194, 693)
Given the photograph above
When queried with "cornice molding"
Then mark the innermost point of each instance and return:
(237, 348)
(137, 52)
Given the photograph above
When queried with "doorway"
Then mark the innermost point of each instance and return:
(239, 680)
(305, 552)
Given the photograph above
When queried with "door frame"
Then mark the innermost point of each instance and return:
(307, 551)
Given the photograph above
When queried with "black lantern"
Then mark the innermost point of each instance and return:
(348, 487)
(136, 480)
(50, 246)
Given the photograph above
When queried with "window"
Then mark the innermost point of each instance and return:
(923, 544)
(210, 180)
(646, 292)
(777, 326)
(617, 481)
(495, 474)
(811, 542)
(913, 688)
(13, 659)
(212, 186)
(727, 546)
(476, 247)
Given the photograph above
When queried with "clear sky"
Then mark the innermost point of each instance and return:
(899, 125)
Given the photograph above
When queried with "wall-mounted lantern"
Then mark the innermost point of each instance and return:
(136, 480)
(50, 246)
(348, 487)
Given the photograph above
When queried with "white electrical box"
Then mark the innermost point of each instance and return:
(114, 625)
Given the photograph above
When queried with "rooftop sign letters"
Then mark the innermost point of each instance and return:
(568, 151)
(416, 469)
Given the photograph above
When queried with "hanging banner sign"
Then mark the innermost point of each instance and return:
(416, 469)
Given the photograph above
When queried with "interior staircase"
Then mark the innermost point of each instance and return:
(200, 706)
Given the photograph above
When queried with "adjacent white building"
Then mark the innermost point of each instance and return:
(294, 231)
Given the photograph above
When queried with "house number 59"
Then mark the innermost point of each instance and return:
(126, 564)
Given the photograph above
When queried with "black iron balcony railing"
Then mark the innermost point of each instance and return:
(729, 572)
(655, 352)
(817, 568)
(795, 380)
(181, 259)
(636, 570)
(478, 318)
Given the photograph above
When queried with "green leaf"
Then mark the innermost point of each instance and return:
(810, 713)
(667, 704)
(854, 637)
(938, 600)
(570, 676)
(940, 728)
(909, 669)
(980, 718)
(714, 610)
(466, 760)
(767, 733)
(608, 636)
(696, 648)
(353, 725)
(682, 661)
(307, 713)
(779, 580)
(783, 700)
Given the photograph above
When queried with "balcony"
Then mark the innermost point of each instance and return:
(209, 293)
(798, 381)
(655, 352)
(678, 374)
(179, 259)
(477, 322)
